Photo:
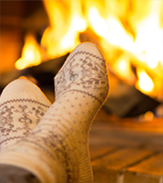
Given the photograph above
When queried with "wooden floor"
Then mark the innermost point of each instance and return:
(126, 150)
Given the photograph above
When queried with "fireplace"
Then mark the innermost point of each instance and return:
(39, 35)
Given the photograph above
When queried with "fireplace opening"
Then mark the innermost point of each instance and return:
(37, 36)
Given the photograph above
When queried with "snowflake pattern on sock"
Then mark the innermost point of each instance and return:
(18, 117)
(57, 149)
(86, 75)
(22, 105)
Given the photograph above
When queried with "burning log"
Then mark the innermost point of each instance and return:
(127, 101)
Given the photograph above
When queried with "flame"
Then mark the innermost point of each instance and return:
(70, 40)
(30, 54)
(144, 83)
(148, 43)
(134, 28)
(122, 67)
(110, 29)
(61, 37)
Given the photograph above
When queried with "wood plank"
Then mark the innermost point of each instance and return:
(111, 135)
(134, 124)
(147, 171)
(109, 169)
(100, 151)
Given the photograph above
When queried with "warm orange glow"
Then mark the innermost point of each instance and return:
(149, 41)
(98, 23)
(128, 32)
(30, 54)
(77, 20)
(56, 30)
(78, 23)
(110, 29)
(148, 116)
(71, 39)
(145, 83)
(122, 68)
(62, 36)
(148, 44)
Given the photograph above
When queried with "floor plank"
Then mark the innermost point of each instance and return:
(127, 150)
(111, 166)
(148, 171)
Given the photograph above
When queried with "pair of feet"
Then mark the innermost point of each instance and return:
(50, 141)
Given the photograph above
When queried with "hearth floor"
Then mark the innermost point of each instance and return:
(126, 150)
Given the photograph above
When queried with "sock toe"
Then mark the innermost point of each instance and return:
(85, 71)
(23, 89)
(88, 47)
(57, 149)
(22, 105)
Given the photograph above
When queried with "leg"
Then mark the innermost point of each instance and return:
(22, 104)
(57, 149)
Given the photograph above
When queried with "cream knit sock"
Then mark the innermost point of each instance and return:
(22, 104)
(57, 149)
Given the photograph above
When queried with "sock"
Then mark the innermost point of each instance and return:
(22, 104)
(56, 151)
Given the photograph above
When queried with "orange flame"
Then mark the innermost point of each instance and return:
(61, 37)
(148, 43)
(133, 27)
(31, 55)
(144, 83)
(122, 67)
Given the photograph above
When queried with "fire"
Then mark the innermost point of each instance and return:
(149, 44)
(122, 68)
(71, 38)
(144, 83)
(110, 29)
(134, 28)
(30, 54)
(62, 36)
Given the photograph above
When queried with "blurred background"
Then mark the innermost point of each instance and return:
(37, 36)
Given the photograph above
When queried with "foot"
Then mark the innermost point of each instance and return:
(57, 149)
(22, 104)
